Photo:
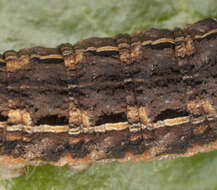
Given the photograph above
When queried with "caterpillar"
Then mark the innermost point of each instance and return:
(149, 95)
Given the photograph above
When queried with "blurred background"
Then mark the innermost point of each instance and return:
(27, 23)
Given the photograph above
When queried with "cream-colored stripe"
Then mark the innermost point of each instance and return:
(198, 120)
(14, 128)
(91, 49)
(107, 48)
(116, 126)
(28, 129)
(206, 34)
(135, 128)
(177, 121)
(179, 39)
(88, 129)
(159, 124)
(85, 130)
(43, 57)
(100, 129)
(147, 42)
(163, 40)
(74, 131)
(56, 129)
(105, 127)
(158, 41)
(211, 117)
(38, 129)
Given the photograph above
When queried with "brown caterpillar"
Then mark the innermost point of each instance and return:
(151, 95)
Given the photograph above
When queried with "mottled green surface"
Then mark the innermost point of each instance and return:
(26, 23)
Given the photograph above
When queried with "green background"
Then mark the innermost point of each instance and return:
(25, 23)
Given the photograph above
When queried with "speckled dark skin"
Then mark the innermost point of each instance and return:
(162, 76)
